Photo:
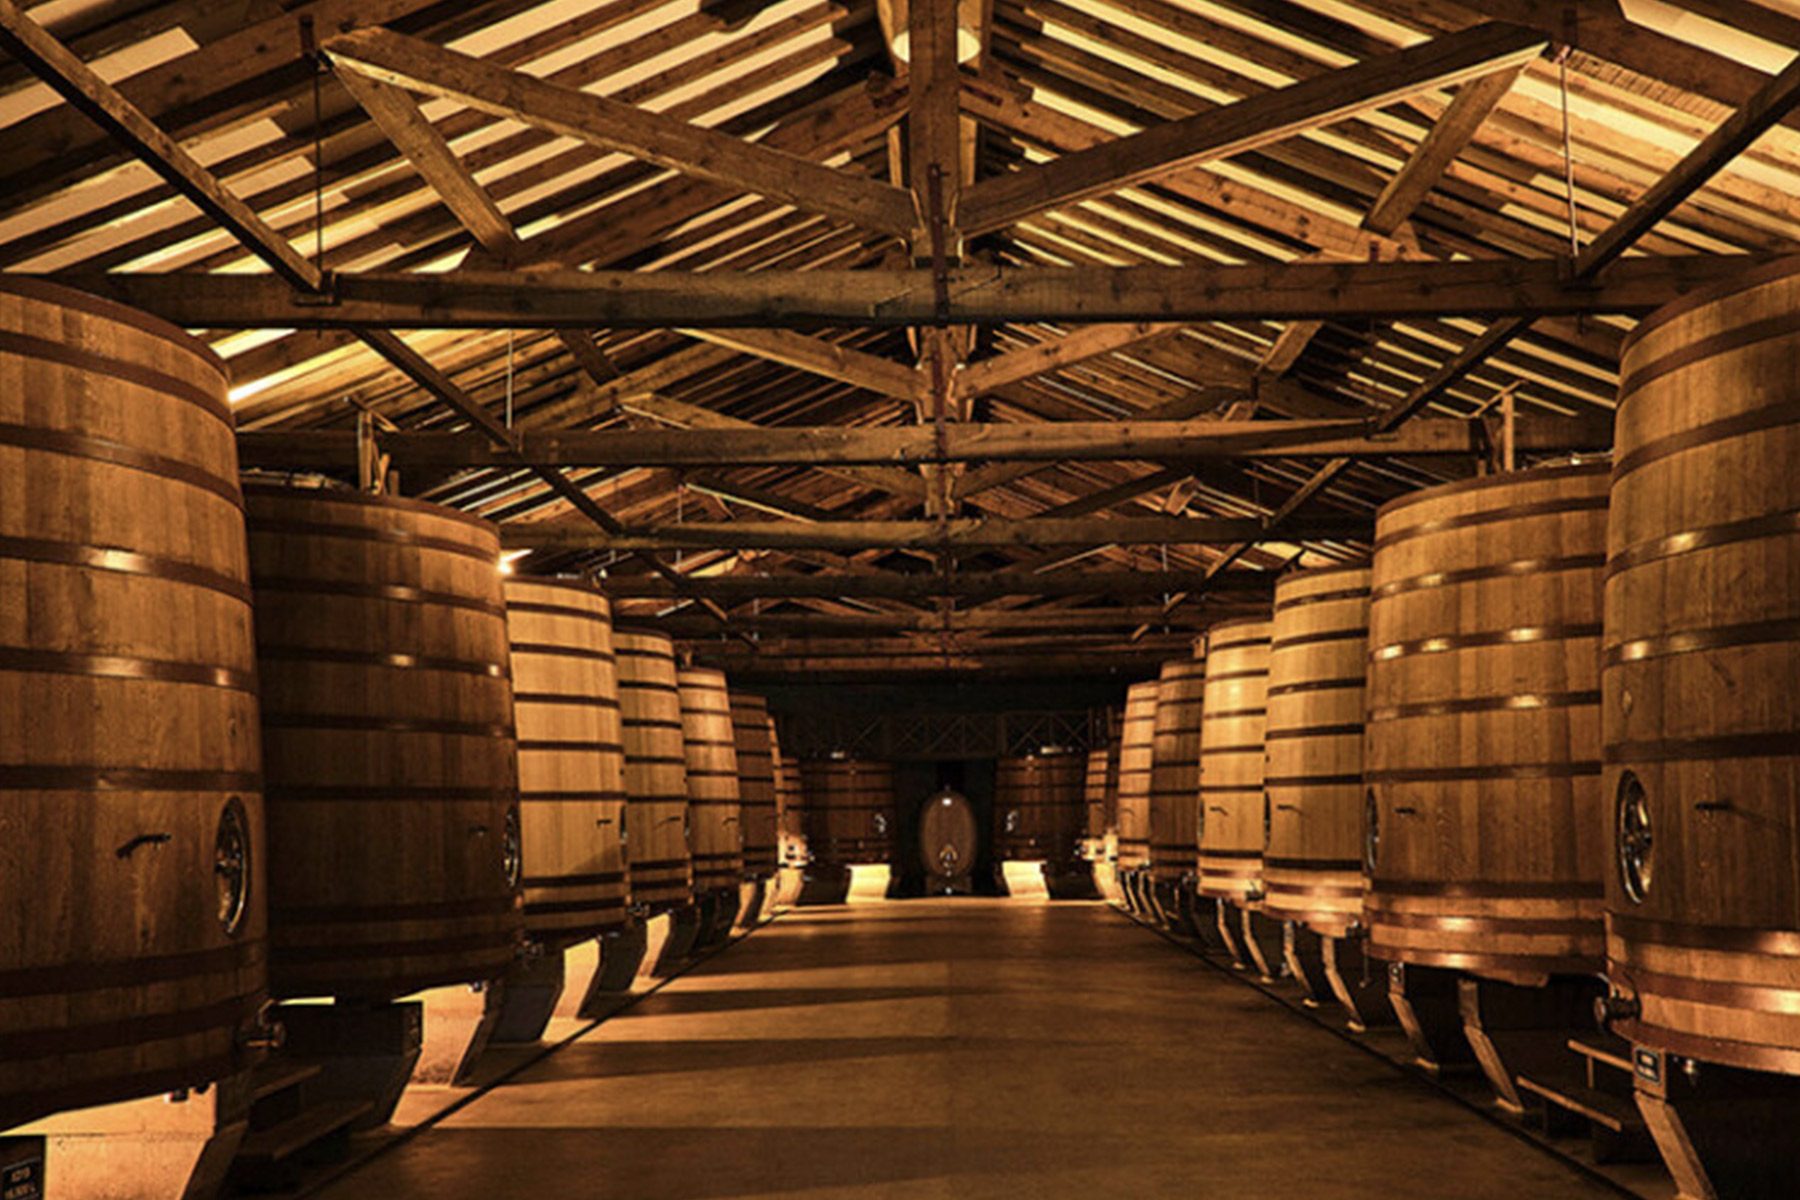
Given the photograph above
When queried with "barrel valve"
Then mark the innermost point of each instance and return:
(263, 1031)
(1617, 1007)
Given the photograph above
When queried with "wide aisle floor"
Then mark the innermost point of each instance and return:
(961, 1048)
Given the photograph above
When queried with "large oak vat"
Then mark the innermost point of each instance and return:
(1483, 742)
(656, 790)
(1234, 818)
(712, 779)
(1175, 770)
(1137, 748)
(132, 856)
(1318, 668)
(571, 759)
(849, 810)
(387, 743)
(1702, 679)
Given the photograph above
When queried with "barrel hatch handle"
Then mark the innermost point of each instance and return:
(143, 839)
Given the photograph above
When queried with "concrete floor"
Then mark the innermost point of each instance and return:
(961, 1048)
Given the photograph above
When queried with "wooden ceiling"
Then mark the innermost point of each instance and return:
(837, 355)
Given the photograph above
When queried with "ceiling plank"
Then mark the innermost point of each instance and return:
(679, 145)
(1774, 101)
(107, 107)
(1250, 123)
(38, 155)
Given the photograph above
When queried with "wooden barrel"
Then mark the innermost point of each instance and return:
(132, 857)
(387, 743)
(656, 790)
(1318, 667)
(571, 759)
(1702, 664)
(1100, 790)
(949, 837)
(1039, 807)
(1175, 768)
(1234, 816)
(1137, 749)
(849, 810)
(1482, 757)
(714, 839)
(754, 735)
(789, 801)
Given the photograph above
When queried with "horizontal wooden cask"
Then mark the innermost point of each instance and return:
(949, 837)
(1039, 810)
(849, 810)
(1702, 679)
(710, 747)
(656, 788)
(1137, 749)
(387, 725)
(1482, 756)
(1175, 768)
(754, 735)
(1234, 814)
(1318, 671)
(571, 759)
(132, 939)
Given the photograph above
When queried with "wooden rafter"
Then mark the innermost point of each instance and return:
(826, 359)
(1776, 99)
(1251, 123)
(691, 149)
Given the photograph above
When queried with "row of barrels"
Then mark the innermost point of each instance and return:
(268, 741)
(1552, 729)
(1040, 809)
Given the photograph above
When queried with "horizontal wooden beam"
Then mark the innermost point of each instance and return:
(958, 533)
(1250, 123)
(1129, 661)
(611, 125)
(683, 415)
(1031, 620)
(965, 585)
(978, 295)
(835, 445)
